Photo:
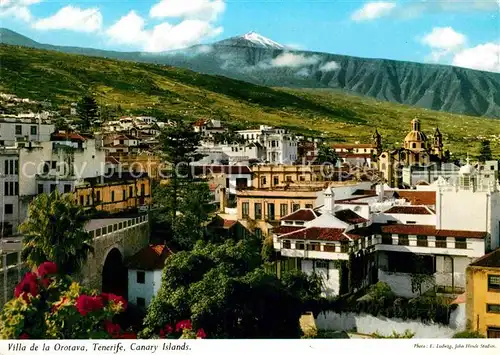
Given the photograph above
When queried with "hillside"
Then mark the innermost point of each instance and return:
(437, 87)
(139, 87)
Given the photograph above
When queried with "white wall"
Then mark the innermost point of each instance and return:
(330, 277)
(368, 324)
(232, 181)
(462, 210)
(422, 219)
(444, 270)
(400, 283)
(147, 290)
(8, 130)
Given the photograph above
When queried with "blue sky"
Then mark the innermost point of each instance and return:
(464, 33)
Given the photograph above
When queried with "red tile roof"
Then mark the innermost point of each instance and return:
(199, 123)
(219, 169)
(67, 136)
(350, 217)
(222, 223)
(408, 210)
(427, 198)
(428, 230)
(286, 229)
(151, 257)
(352, 146)
(304, 214)
(316, 233)
(489, 260)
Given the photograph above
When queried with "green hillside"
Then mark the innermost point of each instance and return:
(138, 88)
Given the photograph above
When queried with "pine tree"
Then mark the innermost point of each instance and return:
(87, 111)
(485, 151)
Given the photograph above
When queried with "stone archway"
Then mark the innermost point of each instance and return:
(114, 274)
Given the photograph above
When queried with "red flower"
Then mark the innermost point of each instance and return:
(47, 268)
(112, 329)
(162, 334)
(109, 297)
(169, 329)
(86, 304)
(183, 324)
(46, 282)
(128, 335)
(28, 286)
(201, 334)
(24, 336)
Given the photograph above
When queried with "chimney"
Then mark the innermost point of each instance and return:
(329, 195)
(222, 199)
(381, 192)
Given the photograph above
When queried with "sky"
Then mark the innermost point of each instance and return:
(464, 33)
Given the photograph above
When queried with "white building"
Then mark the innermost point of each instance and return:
(9, 190)
(280, 145)
(397, 234)
(144, 274)
(33, 128)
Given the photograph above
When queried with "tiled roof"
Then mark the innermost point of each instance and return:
(151, 257)
(112, 160)
(304, 214)
(352, 146)
(489, 260)
(350, 216)
(219, 169)
(354, 155)
(67, 136)
(316, 233)
(222, 223)
(199, 123)
(408, 210)
(427, 198)
(415, 229)
(286, 229)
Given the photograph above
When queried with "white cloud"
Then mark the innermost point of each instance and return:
(293, 60)
(303, 72)
(329, 66)
(130, 30)
(205, 10)
(72, 18)
(373, 10)
(18, 9)
(482, 57)
(444, 38)
(294, 46)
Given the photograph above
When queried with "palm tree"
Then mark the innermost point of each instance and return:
(55, 231)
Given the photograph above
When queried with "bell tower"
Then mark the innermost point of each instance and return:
(437, 145)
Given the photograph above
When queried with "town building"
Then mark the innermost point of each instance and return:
(32, 128)
(483, 295)
(232, 177)
(410, 231)
(208, 128)
(417, 149)
(144, 274)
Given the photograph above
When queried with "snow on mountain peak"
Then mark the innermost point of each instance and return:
(261, 40)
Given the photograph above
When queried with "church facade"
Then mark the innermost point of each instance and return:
(418, 149)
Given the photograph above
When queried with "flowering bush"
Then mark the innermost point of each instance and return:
(182, 330)
(48, 306)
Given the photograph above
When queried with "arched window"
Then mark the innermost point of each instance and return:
(414, 145)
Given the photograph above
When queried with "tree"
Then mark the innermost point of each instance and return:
(326, 155)
(225, 290)
(420, 277)
(88, 112)
(55, 231)
(485, 151)
(179, 143)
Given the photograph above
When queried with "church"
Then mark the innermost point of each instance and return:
(418, 149)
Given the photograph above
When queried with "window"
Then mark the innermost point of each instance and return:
(98, 196)
(283, 209)
(143, 190)
(313, 246)
(287, 244)
(40, 188)
(299, 245)
(263, 180)
(440, 242)
(308, 205)
(124, 194)
(276, 180)
(9, 208)
(387, 239)
(403, 240)
(141, 277)
(19, 130)
(493, 332)
(258, 232)
(67, 188)
(411, 222)
(112, 196)
(422, 241)
(88, 199)
(141, 302)
(81, 200)
(54, 164)
(321, 264)
(33, 130)
(53, 187)
(131, 191)
(460, 243)
(258, 210)
(494, 283)
(289, 179)
(245, 208)
(302, 178)
(344, 247)
(270, 212)
(295, 207)
(329, 247)
(493, 308)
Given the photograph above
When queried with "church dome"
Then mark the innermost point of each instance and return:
(467, 169)
(416, 136)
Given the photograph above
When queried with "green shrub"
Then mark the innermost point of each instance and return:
(468, 334)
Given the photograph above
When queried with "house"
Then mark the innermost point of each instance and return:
(483, 295)
(233, 177)
(144, 273)
(411, 232)
(33, 128)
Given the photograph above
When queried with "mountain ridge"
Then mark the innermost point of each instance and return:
(437, 87)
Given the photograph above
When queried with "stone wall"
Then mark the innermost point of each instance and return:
(128, 241)
(368, 324)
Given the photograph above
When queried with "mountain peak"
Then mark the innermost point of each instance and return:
(258, 39)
